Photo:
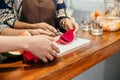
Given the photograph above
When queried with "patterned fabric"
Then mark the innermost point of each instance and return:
(3, 5)
(9, 15)
(2, 26)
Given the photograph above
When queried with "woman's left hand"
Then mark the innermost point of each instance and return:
(70, 24)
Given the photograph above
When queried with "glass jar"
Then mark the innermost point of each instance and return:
(110, 15)
(111, 10)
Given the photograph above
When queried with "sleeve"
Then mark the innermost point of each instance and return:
(7, 17)
(60, 13)
(61, 9)
(3, 26)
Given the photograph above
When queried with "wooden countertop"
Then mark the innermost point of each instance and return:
(71, 64)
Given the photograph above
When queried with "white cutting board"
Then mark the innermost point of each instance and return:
(77, 42)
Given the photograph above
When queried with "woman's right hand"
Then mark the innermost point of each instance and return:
(42, 46)
(43, 26)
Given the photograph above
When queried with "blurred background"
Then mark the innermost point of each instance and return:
(77, 7)
(108, 69)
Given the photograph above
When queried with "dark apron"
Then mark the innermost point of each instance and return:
(36, 11)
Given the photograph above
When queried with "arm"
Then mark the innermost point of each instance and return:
(12, 32)
(9, 16)
(63, 20)
(7, 19)
(60, 10)
(15, 32)
(31, 43)
(8, 43)
(6, 30)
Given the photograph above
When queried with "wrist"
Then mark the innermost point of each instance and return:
(26, 38)
(63, 22)
(29, 26)
(22, 25)
(26, 42)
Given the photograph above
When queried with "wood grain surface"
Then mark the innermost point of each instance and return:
(66, 66)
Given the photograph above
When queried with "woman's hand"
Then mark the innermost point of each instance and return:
(68, 24)
(34, 32)
(37, 27)
(43, 26)
(42, 46)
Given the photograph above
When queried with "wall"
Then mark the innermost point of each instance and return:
(89, 5)
(77, 7)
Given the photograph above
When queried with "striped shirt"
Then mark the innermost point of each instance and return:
(10, 11)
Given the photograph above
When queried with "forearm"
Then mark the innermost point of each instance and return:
(22, 25)
(12, 32)
(16, 32)
(10, 19)
(11, 43)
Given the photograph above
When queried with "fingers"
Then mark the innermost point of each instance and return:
(55, 48)
(52, 53)
(49, 50)
(51, 28)
(45, 32)
(48, 57)
(44, 59)
(68, 26)
(71, 25)
(44, 26)
(50, 38)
